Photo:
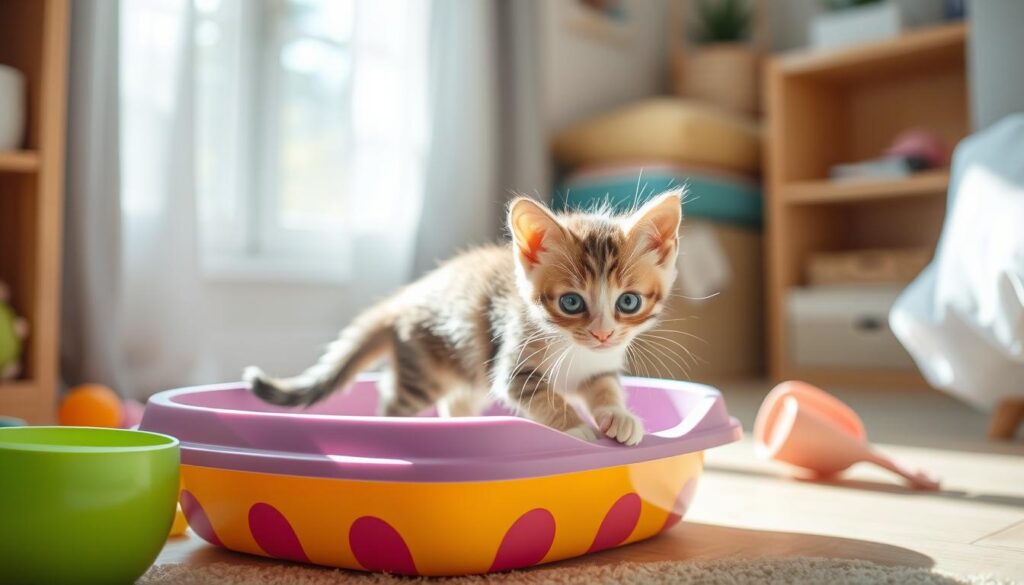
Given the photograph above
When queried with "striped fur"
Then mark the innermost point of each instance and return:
(487, 324)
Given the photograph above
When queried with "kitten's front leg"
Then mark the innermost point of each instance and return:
(604, 398)
(541, 403)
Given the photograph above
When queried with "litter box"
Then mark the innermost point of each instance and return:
(335, 485)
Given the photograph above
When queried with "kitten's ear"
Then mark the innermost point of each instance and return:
(656, 224)
(533, 229)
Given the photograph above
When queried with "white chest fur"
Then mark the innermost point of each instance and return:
(580, 363)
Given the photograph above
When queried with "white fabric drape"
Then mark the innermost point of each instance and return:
(962, 319)
(139, 315)
(162, 302)
(132, 293)
(463, 118)
(486, 123)
(92, 233)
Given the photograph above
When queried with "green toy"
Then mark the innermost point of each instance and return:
(13, 331)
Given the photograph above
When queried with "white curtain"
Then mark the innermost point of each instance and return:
(139, 313)
(463, 119)
(487, 134)
(133, 297)
(92, 234)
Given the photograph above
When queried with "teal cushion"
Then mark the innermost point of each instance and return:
(711, 196)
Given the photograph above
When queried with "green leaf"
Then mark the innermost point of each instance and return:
(723, 20)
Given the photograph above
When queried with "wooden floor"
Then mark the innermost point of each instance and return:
(750, 508)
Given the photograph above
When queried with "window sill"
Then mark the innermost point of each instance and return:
(275, 269)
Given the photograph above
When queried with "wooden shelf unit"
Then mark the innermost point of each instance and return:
(927, 183)
(34, 40)
(22, 161)
(830, 107)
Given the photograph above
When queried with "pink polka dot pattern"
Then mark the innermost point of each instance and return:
(618, 523)
(379, 547)
(681, 504)
(274, 534)
(197, 518)
(527, 541)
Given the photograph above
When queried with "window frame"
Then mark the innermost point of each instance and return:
(253, 245)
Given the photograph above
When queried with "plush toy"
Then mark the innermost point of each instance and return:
(13, 331)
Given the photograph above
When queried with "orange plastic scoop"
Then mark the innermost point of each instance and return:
(805, 426)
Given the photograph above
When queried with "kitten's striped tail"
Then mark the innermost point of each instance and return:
(357, 347)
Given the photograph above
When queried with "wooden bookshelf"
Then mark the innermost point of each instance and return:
(22, 161)
(934, 47)
(830, 107)
(34, 40)
(929, 183)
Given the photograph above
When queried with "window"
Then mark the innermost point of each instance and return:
(300, 105)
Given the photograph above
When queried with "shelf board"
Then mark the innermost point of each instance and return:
(16, 387)
(19, 161)
(21, 398)
(826, 191)
(932, 47)
(18, 399)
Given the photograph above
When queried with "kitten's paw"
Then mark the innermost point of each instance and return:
(620, 424)
(583, 432)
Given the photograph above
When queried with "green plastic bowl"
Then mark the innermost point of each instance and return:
(84, 505)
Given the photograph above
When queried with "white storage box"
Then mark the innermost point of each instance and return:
(844, 326)
(855, 25)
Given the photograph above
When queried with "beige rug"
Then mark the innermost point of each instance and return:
(729, 572)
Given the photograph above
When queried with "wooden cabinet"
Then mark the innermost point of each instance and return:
(830, 107)
(34, 40)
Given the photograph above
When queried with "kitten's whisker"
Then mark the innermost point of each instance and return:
(565, 403)
(568, 369)
(686, 333)
(631, 361)
(646, 364)
(662, 373)
(536, 337)
(539, 367)
(533, 336)
(679, 345)
(521, 364)
(519, 369)
(552, 371)
(553, 381)
(680, 364)
(674, 359)
(682, 296)
(524, 346)
(646, 354)
(660, 321)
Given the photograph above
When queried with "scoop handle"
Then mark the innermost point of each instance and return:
(918, 478)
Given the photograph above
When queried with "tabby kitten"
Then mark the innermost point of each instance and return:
(535, 325)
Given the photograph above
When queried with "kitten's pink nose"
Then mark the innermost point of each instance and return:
(602, 335)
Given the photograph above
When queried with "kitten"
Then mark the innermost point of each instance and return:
(534, 325)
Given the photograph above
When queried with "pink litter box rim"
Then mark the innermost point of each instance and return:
(224, 426)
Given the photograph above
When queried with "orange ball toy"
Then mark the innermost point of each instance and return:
(90, 405)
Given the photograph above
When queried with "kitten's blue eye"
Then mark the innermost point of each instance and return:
(571, 303)
(628, 303)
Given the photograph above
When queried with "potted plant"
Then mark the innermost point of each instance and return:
(721, 66)
(848, 22)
